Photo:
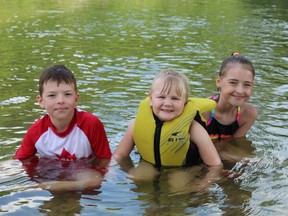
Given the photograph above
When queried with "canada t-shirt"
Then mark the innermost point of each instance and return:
(85, 137)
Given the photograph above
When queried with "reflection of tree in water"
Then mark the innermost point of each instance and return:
(157, 199)
(235, 198)
(170, 191)
(62, 203)
(234, 150)
(65, 203)
(235, 153)
(225, 197)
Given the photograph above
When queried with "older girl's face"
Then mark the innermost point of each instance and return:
(236, 85)
(166, 105)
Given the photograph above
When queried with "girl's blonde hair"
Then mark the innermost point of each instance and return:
(173, 78)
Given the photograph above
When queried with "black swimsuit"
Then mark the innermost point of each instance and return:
(217, 130)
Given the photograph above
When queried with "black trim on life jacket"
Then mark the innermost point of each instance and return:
(157, 136)
(199, 120)
(193, 156)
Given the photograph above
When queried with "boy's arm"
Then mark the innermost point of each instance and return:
(206, 148)
(86, 179)
(126, 145)
(98, 138)
(27, 148)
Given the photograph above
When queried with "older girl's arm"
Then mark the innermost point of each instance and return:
(205, 146)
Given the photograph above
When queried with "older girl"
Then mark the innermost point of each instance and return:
(233, 116)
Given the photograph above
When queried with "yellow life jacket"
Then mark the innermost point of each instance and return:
(170, 141)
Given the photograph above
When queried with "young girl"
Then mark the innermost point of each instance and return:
(164, 132)
(233, 116)
(164, 129)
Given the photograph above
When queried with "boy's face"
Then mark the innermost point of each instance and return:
(166, 105)
(59, 101)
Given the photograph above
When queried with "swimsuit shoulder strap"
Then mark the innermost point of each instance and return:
(211, 117)
(213, 113)
(238, 114)
(215, 98)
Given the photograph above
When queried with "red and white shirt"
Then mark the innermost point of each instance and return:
(85, 137)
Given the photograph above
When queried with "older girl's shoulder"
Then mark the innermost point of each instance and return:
(248, 111)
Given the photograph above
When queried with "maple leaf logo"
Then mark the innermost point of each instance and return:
(66, 155)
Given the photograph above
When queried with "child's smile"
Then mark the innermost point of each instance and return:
(59, 100)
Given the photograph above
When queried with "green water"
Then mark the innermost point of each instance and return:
(115, 48)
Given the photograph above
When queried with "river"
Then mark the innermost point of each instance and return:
(115, 48)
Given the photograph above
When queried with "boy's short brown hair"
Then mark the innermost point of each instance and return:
(57, 73)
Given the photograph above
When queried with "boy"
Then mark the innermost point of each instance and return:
(65, 132)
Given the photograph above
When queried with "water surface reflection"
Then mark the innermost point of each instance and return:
(115, 48)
